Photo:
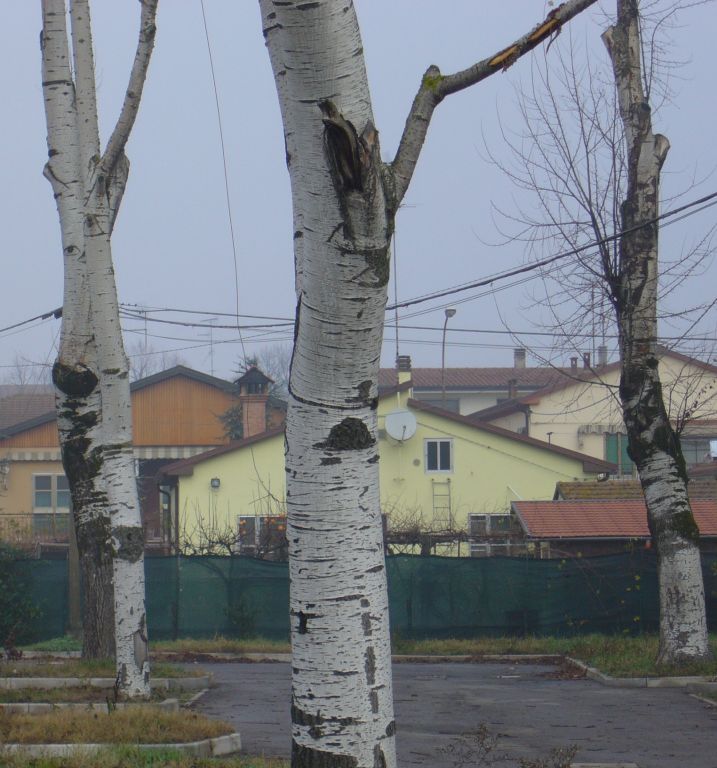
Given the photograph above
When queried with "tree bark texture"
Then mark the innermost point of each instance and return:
(342, 707)
(653, 444)
(91, 372)
(344, 200)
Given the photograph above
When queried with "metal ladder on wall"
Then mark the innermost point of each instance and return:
(442, 516)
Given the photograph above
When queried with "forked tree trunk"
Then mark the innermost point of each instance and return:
(91, 372)
(653, 444)
(344, 199)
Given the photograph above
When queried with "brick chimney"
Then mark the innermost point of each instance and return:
(573, 363)
(519, 357)
(586, 359)
(253, 388)
(602, 356)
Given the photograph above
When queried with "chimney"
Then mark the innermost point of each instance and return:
(253, 388)
(602, 356)
(573, 363)
(586, 359)
(512, 389)
(519, 357)
(403, 365)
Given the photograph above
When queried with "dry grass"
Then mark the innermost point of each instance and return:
(83, 669)
(130, 757)
(135, 725)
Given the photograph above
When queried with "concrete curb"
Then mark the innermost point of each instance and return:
(39, 708)
(159, 683)
(218, 747)
(644, 682)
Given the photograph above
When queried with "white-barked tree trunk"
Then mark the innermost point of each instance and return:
(91, 372)
(653, 444)
(345, 200)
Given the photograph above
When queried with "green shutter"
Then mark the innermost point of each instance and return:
(613, 444)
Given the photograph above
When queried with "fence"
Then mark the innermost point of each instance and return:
(428, 596)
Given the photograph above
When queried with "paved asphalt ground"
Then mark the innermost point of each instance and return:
(529, 709)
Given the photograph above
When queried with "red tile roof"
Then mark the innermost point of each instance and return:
(615, 519)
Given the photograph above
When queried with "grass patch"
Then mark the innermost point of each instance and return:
(55, 645)
(134, 725)
(82, 669)
(129, 757)
(615, 655)
(222, 645)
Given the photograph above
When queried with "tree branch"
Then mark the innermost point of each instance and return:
(133, 94)
(435, 87)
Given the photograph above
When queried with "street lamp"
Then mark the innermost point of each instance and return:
(449, 313)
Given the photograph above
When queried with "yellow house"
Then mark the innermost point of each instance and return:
(439, 471)
(582, 412)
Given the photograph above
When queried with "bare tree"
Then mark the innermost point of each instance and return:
(345, 200)
(91, 372)
(653, 444)
(145, 360)
(590, 158)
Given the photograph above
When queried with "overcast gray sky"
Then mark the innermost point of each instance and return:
(172, 247)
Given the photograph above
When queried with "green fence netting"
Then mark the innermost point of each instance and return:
(428, 596)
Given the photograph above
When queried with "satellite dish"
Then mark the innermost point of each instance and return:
(401, 425)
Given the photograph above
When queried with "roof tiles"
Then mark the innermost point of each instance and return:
(606, 518)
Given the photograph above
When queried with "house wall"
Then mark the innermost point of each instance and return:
(488, 472)
(594, 406)
(251, 483)
(179, 411)
(16, 498)
(468, 402)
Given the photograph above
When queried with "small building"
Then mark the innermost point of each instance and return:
(587, 527)
(439, 472)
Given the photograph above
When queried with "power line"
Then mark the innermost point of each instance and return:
(711, 199)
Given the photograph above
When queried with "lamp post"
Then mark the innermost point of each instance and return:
(449, 313)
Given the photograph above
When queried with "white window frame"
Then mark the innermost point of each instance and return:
(53, 490)
(438, 441)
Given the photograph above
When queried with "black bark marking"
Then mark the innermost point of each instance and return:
(373, 696)
(391, 728)
(379, 263)
(370, 665)
(307, 6)
(303, 627)
(379, 759)
(364, 391)
(351, 434)
(366, 624)
(330, 460)
(129, 542)
(306, 757)
(141, 653)
(74, 382)
(373, 460)
(364, 603)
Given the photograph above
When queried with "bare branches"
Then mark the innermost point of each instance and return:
(435, 87)
(133, 94)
